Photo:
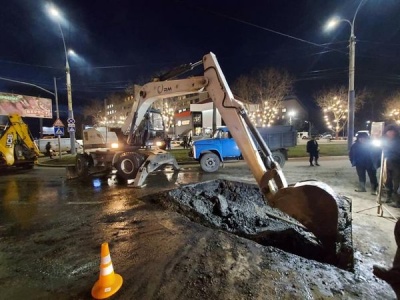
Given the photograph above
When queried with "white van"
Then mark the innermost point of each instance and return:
(65, 145)
(302, 135)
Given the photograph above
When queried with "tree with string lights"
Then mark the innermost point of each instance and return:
(392, 108)
(334, 104)
(263, 90)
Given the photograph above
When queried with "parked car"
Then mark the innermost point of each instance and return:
(327, 136)
(176, 143)
(360, 131)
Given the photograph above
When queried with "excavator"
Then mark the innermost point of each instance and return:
(312, 203)
(17, 148)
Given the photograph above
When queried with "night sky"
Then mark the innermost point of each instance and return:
(124, 42)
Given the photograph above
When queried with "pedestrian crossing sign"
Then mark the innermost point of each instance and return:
(59, 131)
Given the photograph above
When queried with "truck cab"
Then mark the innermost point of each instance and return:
(211, 152)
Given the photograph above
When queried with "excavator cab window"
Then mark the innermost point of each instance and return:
(2, 130)
(156, 121)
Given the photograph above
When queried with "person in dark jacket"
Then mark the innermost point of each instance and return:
(313, 151)
(364, 156)
(49, 151)
(391, 151)
(392, 275)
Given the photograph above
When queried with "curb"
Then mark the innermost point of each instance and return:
(44, 164)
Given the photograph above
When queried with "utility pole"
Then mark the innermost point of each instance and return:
(58, 116)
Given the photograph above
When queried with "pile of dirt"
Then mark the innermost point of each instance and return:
(240, 208)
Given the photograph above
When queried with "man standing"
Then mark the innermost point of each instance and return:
(313, 151)
(391, 150)
(185, 142)
(392, 276)
(365, 159)
(49, 151)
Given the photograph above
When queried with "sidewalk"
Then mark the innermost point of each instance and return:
(65, 161)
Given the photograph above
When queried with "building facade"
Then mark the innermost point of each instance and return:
(194, 114)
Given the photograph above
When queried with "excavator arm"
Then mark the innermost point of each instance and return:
(312, 203)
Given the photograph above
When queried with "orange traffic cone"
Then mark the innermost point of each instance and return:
(109, 282)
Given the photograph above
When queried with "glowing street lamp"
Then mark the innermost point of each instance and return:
(351, 104)
(291, 115)
(54, 12)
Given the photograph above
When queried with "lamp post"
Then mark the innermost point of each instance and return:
(309, 128)
(352, 53)
(71, 122)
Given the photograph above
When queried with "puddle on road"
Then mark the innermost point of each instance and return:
(239, 208)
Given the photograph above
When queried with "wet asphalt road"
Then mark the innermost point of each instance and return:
(36, 203)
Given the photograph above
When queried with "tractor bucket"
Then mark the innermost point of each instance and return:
(313, 204)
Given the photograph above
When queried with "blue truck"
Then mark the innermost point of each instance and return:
(212, 153)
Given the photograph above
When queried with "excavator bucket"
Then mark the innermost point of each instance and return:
(313, 204)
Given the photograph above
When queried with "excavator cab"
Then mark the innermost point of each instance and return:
(151, 131)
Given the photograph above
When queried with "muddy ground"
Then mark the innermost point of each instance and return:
(51, 231)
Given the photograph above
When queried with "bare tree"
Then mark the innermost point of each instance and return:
(94, 110)
(392, 107)
(334, 103)
(266, 89)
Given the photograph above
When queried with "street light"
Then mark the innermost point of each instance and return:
(291, 114)
(71, 122)
(352, 47)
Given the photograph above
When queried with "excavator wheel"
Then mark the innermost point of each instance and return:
(128, 165)
(28, 166)
(313, 204)
(82, 165)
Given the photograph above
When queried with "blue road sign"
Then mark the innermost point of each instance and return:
(59, 131)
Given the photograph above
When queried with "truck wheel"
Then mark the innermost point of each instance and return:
(82, 165)
(279, 158)
(210, 162)
(128, 165)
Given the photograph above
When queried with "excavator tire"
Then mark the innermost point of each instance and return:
(28, 166)
(210, 162)
(128, 165)
(82, 165)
